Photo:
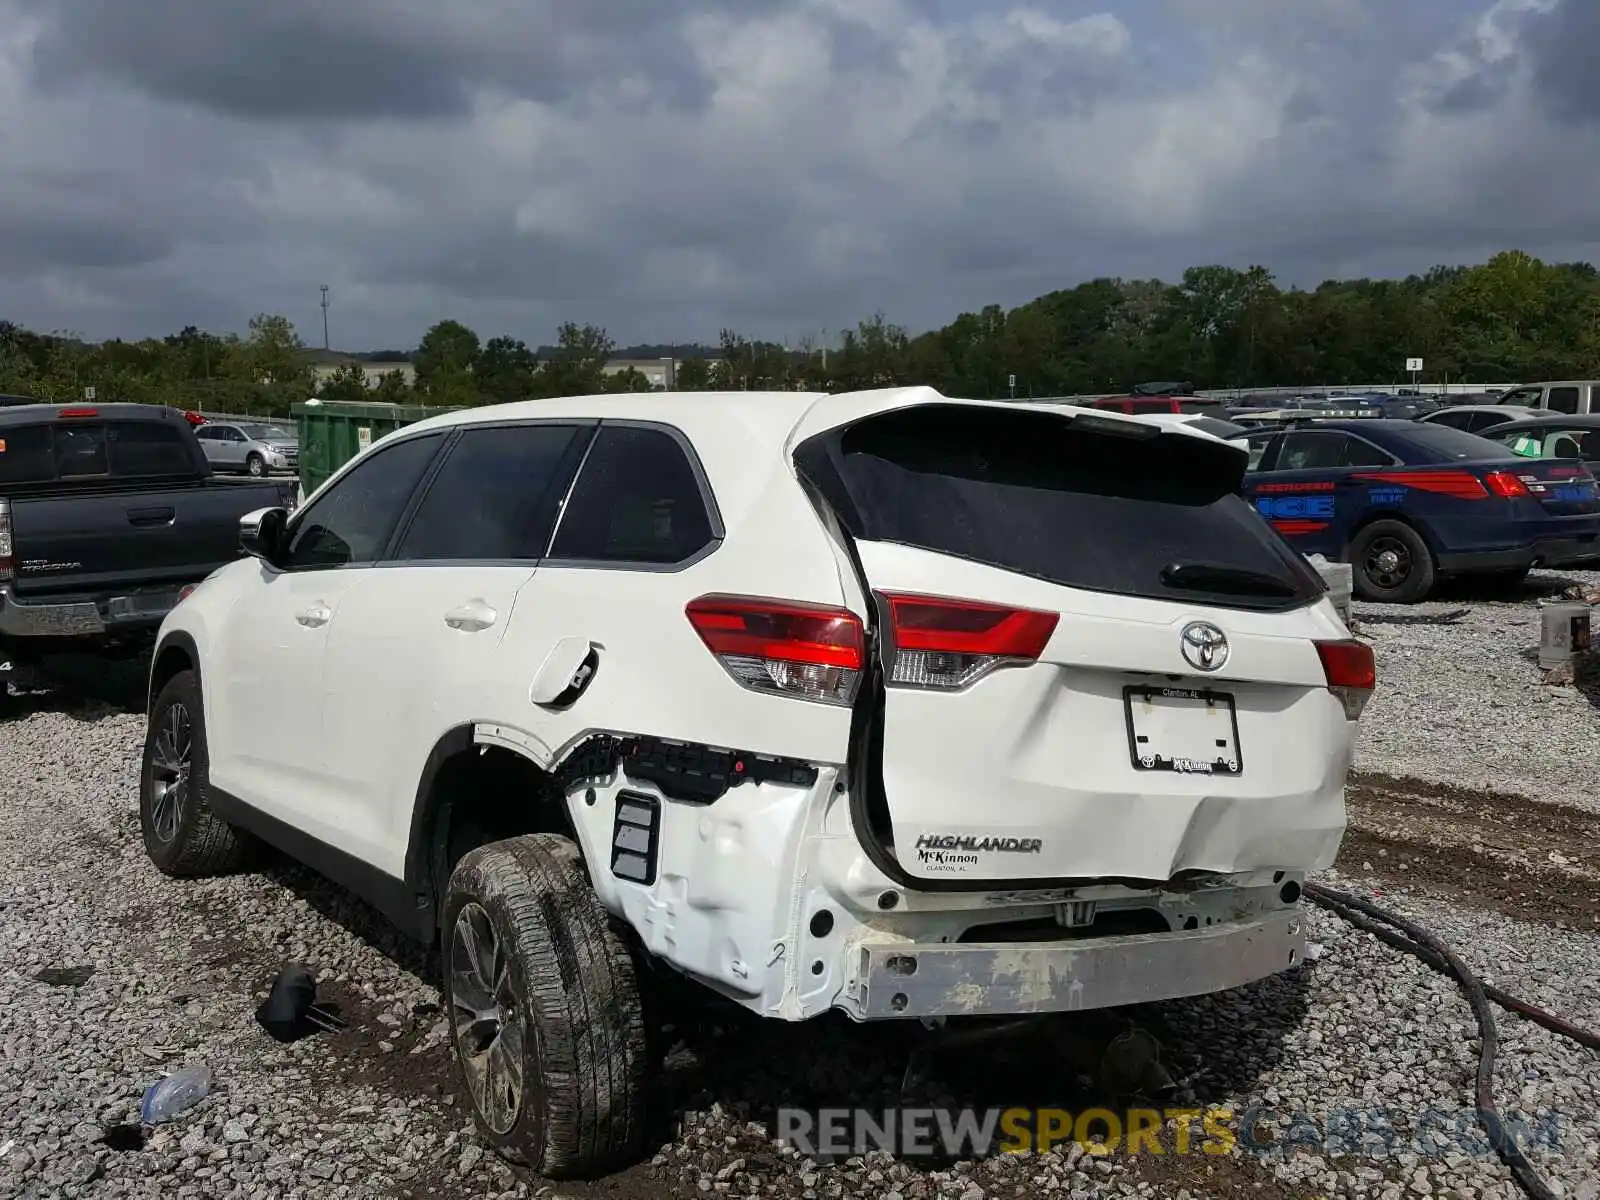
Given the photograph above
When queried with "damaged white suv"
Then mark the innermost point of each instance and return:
(883, 702)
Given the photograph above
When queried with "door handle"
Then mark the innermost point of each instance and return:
(315, 616)
(471, 617)
(151, 516)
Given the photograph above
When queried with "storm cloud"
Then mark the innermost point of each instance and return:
(784, 167)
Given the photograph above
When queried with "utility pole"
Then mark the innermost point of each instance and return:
(325, 345)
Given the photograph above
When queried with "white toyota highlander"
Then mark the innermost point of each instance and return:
(884, 702)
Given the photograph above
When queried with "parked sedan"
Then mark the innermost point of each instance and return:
(245, 446)
(1550, 437)
(1408, 502)
(1475, 418)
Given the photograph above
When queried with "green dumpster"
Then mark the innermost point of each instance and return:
(332, 433)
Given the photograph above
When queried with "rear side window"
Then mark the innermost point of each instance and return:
(1158, 517)
(1563, 400)
(637, 499)
(25, 455)
(494, 497)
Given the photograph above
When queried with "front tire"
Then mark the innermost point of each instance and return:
(545, 1010)
(1391, 564)
(255, 466)
(182, 836)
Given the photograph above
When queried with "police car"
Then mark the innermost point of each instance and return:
(1407, 503)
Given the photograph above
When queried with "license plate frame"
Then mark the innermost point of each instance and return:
(1146, 757)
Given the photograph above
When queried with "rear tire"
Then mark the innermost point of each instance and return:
(545, 1010)
(1391, 564)
(182, 836)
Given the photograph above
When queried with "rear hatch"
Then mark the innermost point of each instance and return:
(1093, 659)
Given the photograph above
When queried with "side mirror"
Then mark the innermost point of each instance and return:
(261, 534)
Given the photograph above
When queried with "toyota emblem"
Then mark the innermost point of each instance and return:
(1205, 647)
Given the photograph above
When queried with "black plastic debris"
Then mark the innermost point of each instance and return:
(65, 976)
(291, 1012)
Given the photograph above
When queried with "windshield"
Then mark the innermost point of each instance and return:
(266, 433)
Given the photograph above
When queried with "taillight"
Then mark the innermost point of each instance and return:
(950, 644)
(78, 412)
(1351, 672)
(7, 551)
(786, 648)
(1505, 485)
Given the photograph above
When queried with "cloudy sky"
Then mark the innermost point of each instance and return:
(668, 167)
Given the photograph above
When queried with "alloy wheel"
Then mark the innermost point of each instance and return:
(171, 768)
(489, 1018)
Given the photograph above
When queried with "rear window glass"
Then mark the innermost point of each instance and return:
(146, 448)
(67, 450)
(25, 455)
(1452, 444)
(1158, 517)
(81, 450)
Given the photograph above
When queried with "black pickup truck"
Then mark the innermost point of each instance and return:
(106, 513)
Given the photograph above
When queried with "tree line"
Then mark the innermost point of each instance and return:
(1512, 318)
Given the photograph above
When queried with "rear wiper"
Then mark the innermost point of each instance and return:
(1214, 577)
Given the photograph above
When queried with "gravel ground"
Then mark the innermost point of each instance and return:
(174, 971)
(1461, 698)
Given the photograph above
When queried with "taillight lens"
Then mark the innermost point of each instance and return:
(950, 644)
(1505, 485)
(7, 551)
(1351, 671)
(783, 647)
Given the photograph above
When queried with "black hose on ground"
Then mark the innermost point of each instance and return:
(1416, 940)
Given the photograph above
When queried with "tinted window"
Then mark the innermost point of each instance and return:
(145, 448)
(494, 497)
(1482, 420)
(1524, 396)
(1459, 419)
(636, 500)
(1446, 444)
(1563, 400)
(352, 521)
(206, 433)
(81, 451)
(1360, 453)
(1583, 442)
(25, 455)
(1258, 449)
(1030, 493)
(1327, 451)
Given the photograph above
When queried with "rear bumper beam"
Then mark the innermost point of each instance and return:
(973, 980)
(84, 618)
